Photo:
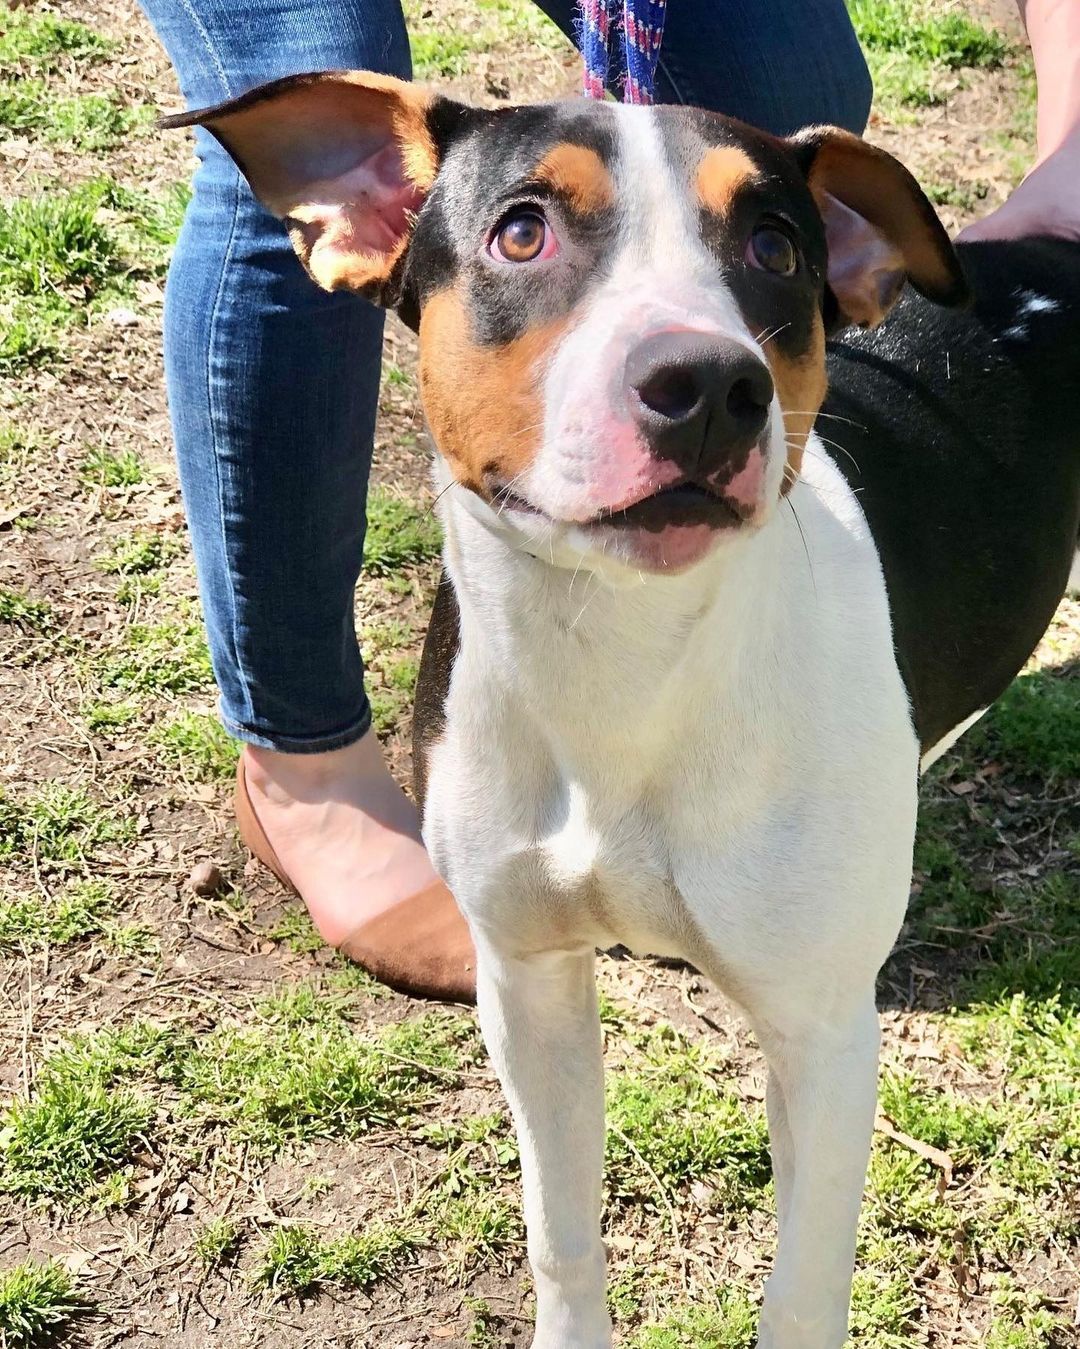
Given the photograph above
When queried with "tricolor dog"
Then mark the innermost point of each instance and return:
(691, 652)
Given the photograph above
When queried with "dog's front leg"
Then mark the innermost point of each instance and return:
(542, 1027)
(821, 1103)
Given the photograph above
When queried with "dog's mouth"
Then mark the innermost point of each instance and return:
(686, 505)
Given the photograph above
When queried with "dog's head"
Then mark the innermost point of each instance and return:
(622, 311)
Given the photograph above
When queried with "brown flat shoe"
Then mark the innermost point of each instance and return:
(421, 946)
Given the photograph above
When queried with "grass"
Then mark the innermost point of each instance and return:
(729, 1325)
(39, 1304)
(296, 1261)
(218, 1242)
(478, 1229)
(140, 553)
(24, 612)
(41, 43)
(68, 252)
(164, 658)
(272, 1084)
(399, 533)
(1035, 725)
(916, 53)
(441, 55)
(58, 825)
(58, 242)
(90, 123)
(104, 468)
(66, 1143)
(198, 746)
(671, 1122)
(18, 447)
(73, 913)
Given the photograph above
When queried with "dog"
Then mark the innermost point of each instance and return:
(714, 589)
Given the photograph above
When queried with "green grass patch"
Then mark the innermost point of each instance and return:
(104, 468)
(921, 30)
(672, 1122)
(102, 716)
(966, 196)
(273, 1084)
(478, 1229)
(438, 54)
(218, 1243)
(165, 658)
(41, 44)
(71, 1137)
(67, 253)
(57, 241)
(77, 911)
(29, 334)
(87, 122)
(296, 1261)
(297, 1071)
(39, 1305)
(199, 746)
(144, 551)
(523, 21)
(18, 446)
(915, 51)
(399, 534)
(24, 612)
(297, 931)
(58, 825)
(729, 1324)
(1034, 726)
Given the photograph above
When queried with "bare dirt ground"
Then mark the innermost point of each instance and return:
(105, 703)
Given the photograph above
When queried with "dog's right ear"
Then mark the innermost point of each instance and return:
(346, 159)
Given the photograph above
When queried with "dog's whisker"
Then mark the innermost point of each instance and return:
(806, 550)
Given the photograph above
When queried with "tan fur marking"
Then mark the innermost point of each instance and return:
(484, 404)
(719, 176)
(375, 104)
(800, 386)
(578, 174)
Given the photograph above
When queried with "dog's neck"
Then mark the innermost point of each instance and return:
(606, 661)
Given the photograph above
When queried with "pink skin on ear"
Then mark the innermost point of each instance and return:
(363, 212)
(866, 271)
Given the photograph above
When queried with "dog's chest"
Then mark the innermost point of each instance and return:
(569, 859)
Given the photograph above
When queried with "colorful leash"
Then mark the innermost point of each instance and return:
(642, 25)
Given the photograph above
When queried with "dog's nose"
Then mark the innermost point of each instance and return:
(698, 399)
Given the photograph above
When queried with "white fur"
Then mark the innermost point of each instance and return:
(934, 753)
(718, 765)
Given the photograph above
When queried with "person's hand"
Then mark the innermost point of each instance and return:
(1046, 202)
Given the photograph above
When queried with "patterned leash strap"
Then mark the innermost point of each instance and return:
(641, 23)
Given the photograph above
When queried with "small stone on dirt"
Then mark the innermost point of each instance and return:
(206, 879)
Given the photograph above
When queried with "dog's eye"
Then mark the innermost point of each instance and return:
(522, 237)
(771, 250)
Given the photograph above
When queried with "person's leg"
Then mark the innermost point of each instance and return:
(779, 66)
(273, 388)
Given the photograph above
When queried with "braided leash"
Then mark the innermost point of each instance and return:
(642, 25)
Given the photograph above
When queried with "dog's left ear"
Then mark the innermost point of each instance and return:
(346, 159)
(879, 226)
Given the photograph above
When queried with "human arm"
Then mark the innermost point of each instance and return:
(1048, 200)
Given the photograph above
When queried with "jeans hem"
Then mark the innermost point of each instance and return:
(300, 744)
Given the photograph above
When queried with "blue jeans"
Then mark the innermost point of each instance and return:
(273, 384)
